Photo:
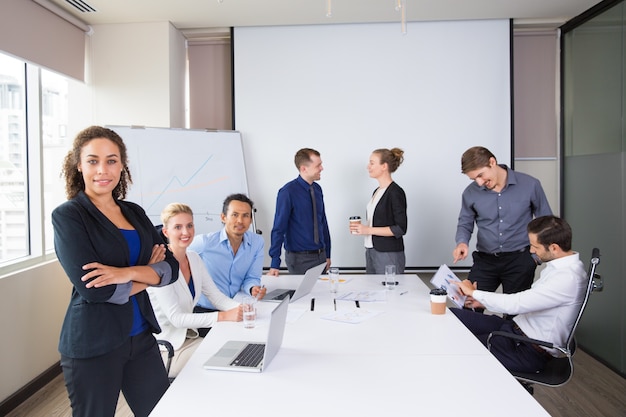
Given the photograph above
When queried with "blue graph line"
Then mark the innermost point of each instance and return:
(180, 183)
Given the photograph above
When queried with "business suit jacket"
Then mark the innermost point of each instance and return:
(173, 304)
(99, 320)
(390, 211)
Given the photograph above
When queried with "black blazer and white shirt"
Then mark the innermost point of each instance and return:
(390, 211)
(99, 320)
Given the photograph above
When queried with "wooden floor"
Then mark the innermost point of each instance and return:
(594, 391)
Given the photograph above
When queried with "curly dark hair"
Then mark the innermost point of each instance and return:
(74, 179)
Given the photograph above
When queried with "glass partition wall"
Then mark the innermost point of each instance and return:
(594, 162)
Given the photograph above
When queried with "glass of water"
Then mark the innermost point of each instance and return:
(390, 277)
(333, 279)
(249, 312)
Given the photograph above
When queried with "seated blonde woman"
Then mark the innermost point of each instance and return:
(173, 305)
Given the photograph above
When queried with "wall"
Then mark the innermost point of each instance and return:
(536, 112)
(32, 308)
(137, 72)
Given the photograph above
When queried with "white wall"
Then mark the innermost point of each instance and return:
(137, 72)
(32, 308)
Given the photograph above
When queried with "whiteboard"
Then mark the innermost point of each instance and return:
(348, 89)
(199, 168)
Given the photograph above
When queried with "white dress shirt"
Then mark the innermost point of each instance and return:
(548, 309)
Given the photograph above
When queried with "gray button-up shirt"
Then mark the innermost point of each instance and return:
(501, 217)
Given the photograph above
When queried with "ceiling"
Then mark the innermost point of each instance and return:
(201, 14)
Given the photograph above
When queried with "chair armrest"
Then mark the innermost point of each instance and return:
(518, 338)
(168, 346)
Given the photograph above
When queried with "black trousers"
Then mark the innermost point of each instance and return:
(299, 263)
(136, 368)
(514, 355)
(515, 271)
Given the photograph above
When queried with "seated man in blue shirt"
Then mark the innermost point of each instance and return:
(234, 255)
(300, 219)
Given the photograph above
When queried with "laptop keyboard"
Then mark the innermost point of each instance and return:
(283, 295)
(250, 356)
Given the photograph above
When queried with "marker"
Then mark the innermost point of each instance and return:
(357, 303)
(335, 303)
(312, 304)
(384, 283)
(403, 292)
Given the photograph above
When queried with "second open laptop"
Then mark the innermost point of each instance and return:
(248, 356)
(305, 287)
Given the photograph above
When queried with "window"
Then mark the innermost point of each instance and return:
(34, 125)
(13, 167)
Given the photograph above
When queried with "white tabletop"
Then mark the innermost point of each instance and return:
(403, 360)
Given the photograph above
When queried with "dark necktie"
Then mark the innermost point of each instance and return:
(316, 233)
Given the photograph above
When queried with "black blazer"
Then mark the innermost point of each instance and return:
(390, 211)
(99, 320)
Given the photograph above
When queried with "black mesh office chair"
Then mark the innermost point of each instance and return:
(558, 371)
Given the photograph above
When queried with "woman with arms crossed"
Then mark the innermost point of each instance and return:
(174, 304)
(111, 253)
(386, 215)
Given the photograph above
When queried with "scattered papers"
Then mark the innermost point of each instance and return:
(365, 296)
(351, 316)
(442, 279)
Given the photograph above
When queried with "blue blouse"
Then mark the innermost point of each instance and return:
(139, 322)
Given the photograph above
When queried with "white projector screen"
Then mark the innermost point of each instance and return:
(346, 90)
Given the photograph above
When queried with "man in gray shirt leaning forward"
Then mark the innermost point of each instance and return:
(501, 202)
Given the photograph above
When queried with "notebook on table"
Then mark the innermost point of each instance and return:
(242, 356)
(305, 287)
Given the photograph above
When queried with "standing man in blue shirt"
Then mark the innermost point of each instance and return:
(300, 219)
(234, 255)
(501, 202)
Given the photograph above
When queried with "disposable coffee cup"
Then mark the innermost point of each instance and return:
(438, 298)
(354, 220)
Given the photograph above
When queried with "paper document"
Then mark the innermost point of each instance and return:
(351, 316)
(442, 279)
(364, 296)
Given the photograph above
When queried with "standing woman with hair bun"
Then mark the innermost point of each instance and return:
(386, 220)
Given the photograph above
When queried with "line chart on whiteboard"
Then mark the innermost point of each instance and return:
(194, 167)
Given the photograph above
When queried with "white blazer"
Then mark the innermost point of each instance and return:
(173, 304)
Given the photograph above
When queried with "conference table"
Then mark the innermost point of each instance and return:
(388, 357)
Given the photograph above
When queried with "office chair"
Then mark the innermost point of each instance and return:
(170, 354)
(558, 371)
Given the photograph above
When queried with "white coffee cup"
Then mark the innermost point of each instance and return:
(354, 220)
(438, 300)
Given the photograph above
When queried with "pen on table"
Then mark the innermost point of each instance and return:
(357, 303)
(403, 292)
(312, 304)
(335, 303)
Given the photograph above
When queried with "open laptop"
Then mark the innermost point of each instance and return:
(244, 356)
(305, 287)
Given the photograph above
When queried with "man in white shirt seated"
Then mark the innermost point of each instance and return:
(546, 311)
